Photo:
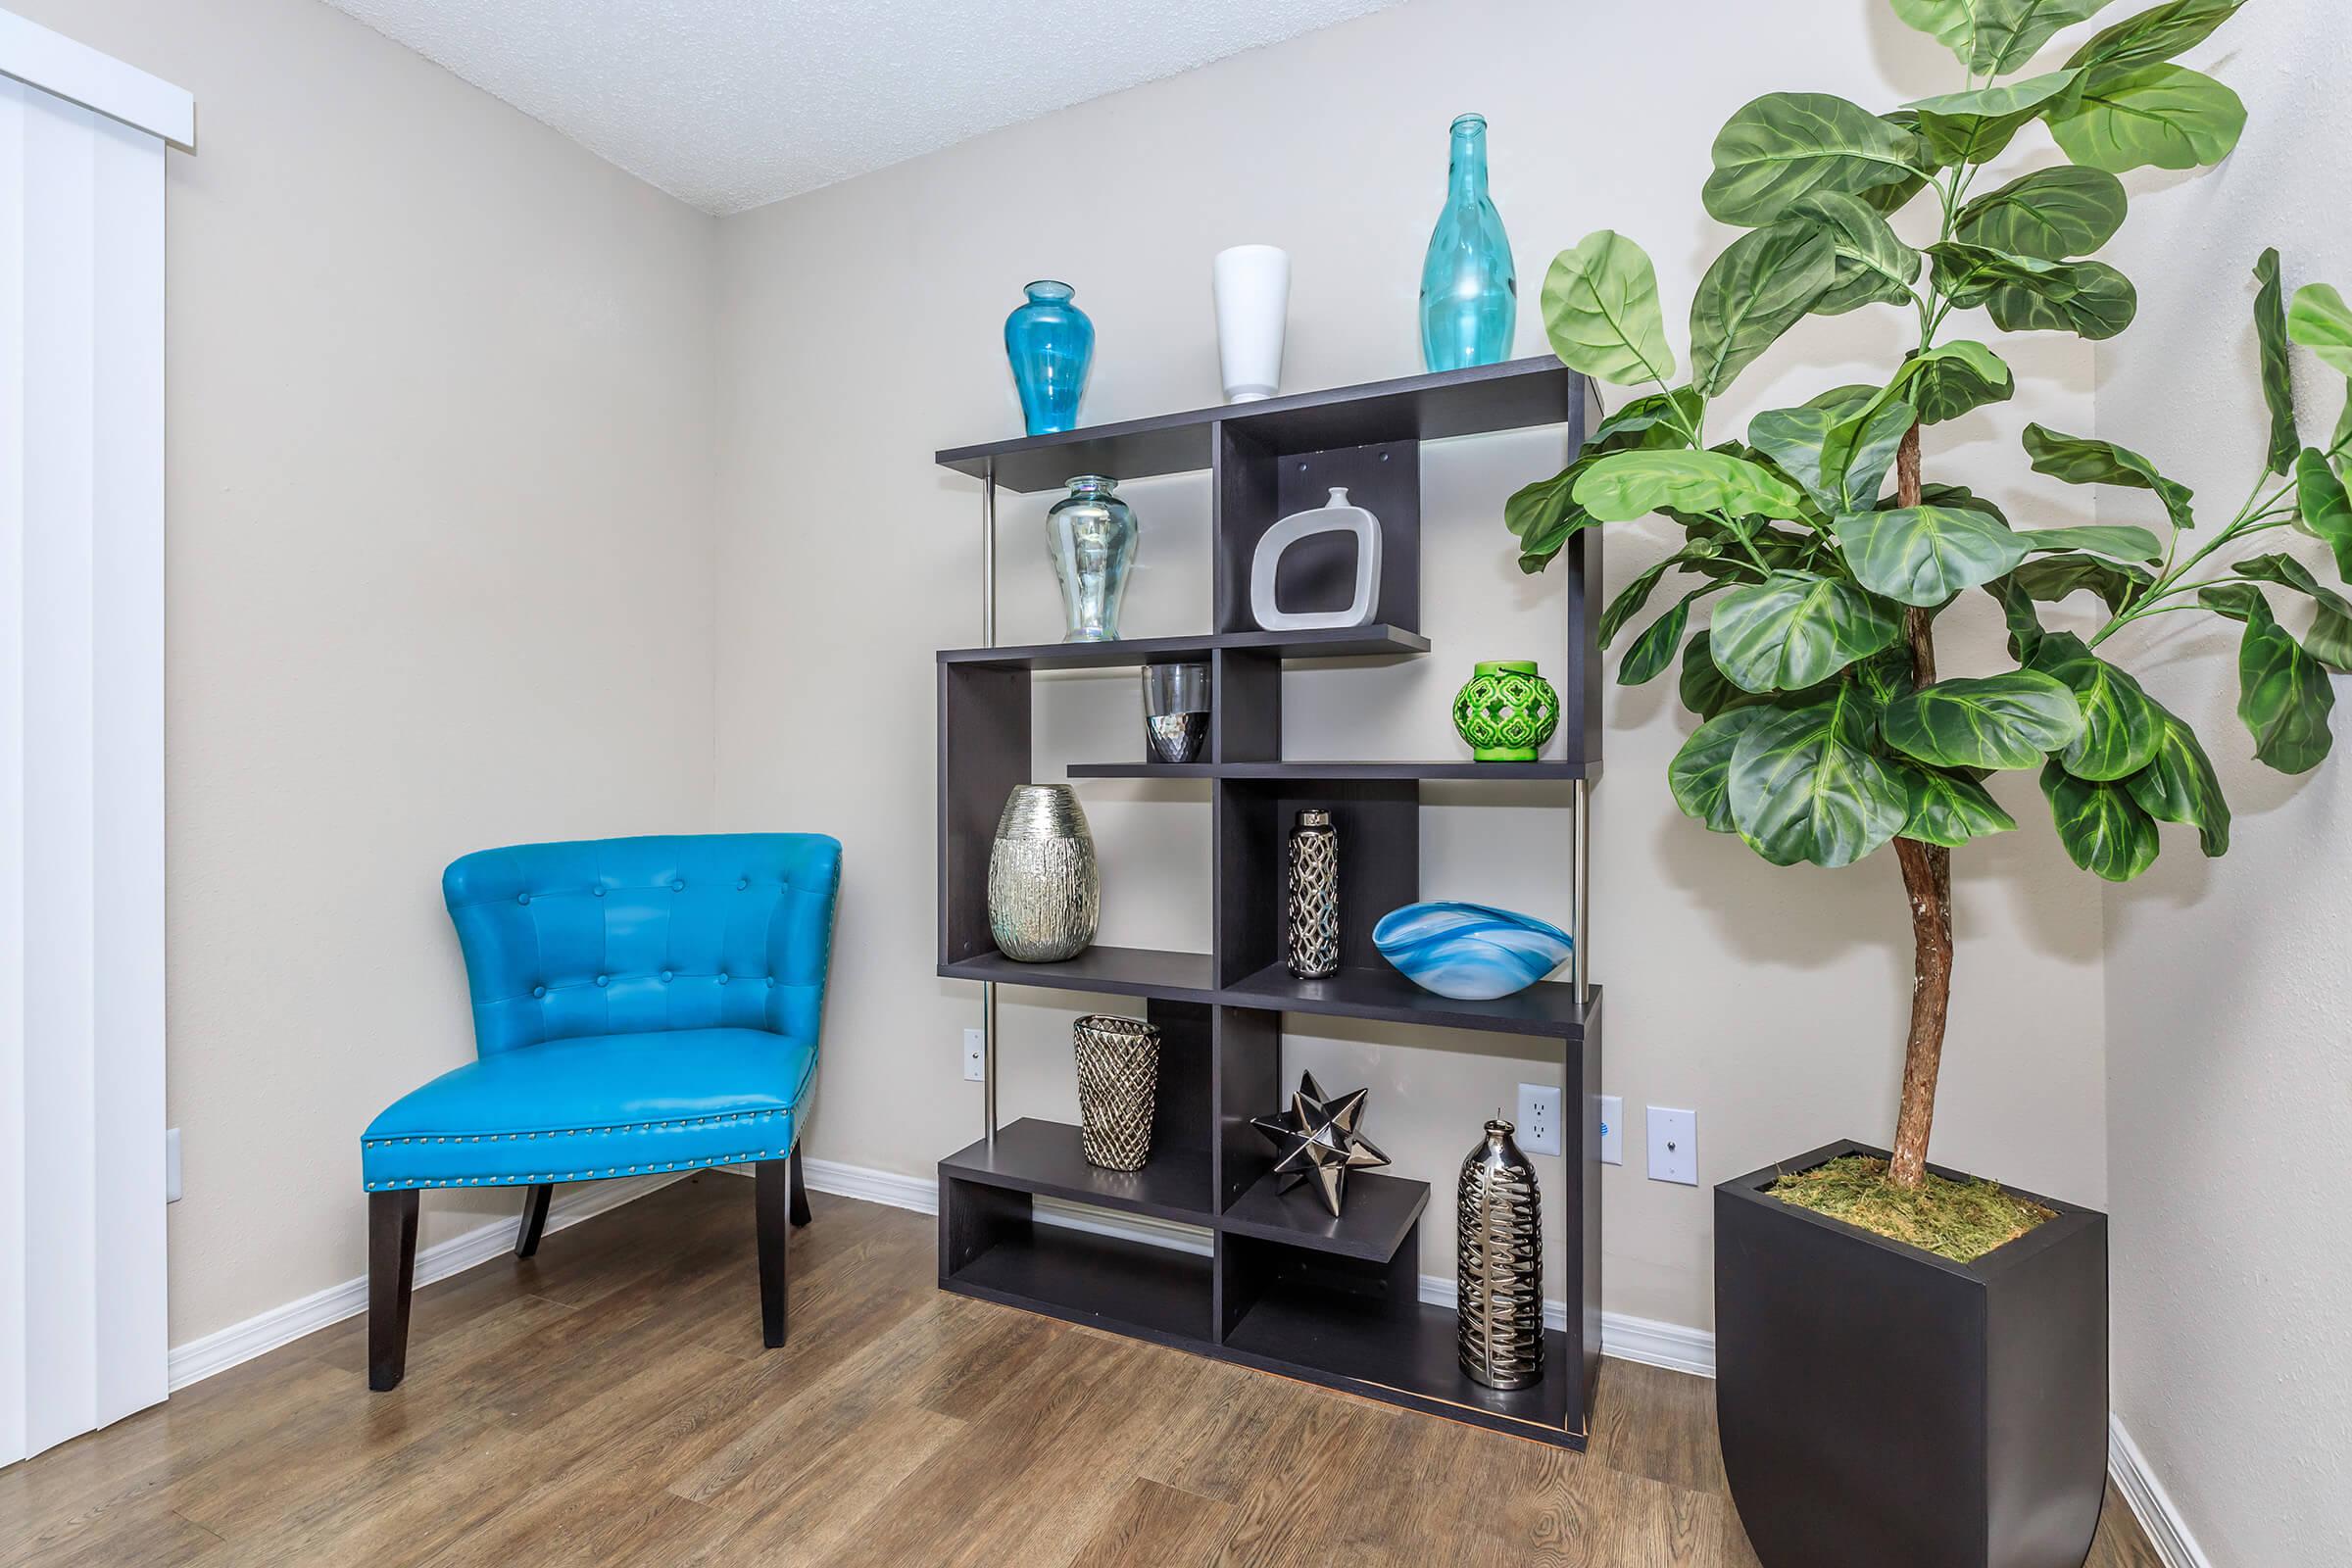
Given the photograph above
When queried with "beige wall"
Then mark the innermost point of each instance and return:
(438, 576)
(862, 332)
(2226, 992)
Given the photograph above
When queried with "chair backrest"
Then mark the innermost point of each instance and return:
(621, 936)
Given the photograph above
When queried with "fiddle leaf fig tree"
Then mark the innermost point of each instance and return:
(1818, 552)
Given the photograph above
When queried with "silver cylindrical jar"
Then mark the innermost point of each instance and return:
(1498, 1232)
(1044, 899)
(1311, 932)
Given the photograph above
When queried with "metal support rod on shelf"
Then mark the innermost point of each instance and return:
(1580, 831)
(988, 639)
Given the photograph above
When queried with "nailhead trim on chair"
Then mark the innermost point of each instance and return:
(727, 1119)
(590, 1174)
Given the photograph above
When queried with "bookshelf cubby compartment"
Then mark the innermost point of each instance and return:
(1283, 1285)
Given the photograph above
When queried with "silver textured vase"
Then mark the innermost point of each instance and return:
(1311, 917)
(1044, 899)
(1498, 1233)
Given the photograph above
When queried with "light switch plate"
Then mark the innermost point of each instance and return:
(171, 1165)
(1674, 1146)
(976, 1056)
(1612, 1128)
(1538, 1119)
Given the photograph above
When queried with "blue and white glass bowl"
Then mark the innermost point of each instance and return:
(1470, 952)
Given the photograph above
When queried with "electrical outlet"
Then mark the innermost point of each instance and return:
(976, 1056)
(1538, 1119)
(171, 1165)
(1674, 1146)
(1612, 1130)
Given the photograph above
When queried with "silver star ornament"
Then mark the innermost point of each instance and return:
(1317, 1139)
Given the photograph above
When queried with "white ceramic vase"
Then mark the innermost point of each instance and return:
(1252, 285)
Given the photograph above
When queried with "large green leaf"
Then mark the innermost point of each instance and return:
(1706, 690)
(1794, 629)
(2155, 36)
(1762, 284)
(1600, 311)
(1631, 598)
(2322, 509)
(2277, 375)
(2180, 786)
(1700, 775)
(2120, 727)
(1924, 554)
(2282, 695)
(2103, 828)
(1859, 434)
(1950, 22)
(1976, 126)
(1785, 146)
(1890, 198)
(1654, 649)
(2027, 294)
(2053, 577)
(1658, 420)
(1625, 486)
(2329, 640)
(2010, 32)
(2011, 721)
(2134, 117)
(2322, 323)
(2081, 460)
(1804, 786)
(1948, 809)
(2120, 540)
(1953, 378)
(2052, 214)
(1871, 264)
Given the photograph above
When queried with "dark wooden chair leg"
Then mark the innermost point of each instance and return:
(391, 1271)
(799, 1190)
(534, 1219)
(770, 1179)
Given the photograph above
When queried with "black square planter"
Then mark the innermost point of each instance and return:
(1882, 1405)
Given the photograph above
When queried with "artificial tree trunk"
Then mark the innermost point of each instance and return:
(1927, 883)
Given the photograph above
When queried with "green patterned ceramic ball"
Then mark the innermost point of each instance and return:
(1507, 711)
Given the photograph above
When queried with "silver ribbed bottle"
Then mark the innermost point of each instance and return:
(1312, 935)
(1498, 1233)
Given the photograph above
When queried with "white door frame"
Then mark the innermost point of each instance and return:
(84, 1326)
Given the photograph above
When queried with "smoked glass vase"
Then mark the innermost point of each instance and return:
(1469, 289)
(1052, 346)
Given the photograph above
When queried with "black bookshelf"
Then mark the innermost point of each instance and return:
(1283, 1286)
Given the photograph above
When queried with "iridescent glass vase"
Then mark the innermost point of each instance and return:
(1090, 537)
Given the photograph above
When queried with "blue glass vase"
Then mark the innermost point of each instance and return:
(1051, 344)
(1469, 289)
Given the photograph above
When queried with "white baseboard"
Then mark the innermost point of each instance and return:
(242, 1341)
(1627, 1339)
(2166, 1532)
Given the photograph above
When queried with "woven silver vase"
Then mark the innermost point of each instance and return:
(1119, 1079)
(1498, 1232)
(1044, 899)
(1311, 924)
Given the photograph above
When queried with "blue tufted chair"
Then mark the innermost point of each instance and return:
(639, 1005)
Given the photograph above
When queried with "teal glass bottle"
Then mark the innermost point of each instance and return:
(1051, 345)
(1469, 289)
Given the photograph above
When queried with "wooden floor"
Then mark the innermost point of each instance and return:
(610, 1402)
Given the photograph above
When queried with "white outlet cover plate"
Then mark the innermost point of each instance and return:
(1538, 1119)
(1612, 1130)
(1673, 1146)
(976, 1056)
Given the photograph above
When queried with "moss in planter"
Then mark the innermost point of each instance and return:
(1958, 1220)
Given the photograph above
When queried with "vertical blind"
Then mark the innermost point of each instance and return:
(83, 1325)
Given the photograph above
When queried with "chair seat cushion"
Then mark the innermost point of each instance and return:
(593, 1106)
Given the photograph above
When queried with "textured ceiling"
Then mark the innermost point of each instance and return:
(731, 104)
